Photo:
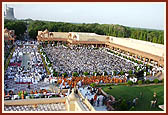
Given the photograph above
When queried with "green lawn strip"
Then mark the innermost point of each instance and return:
(8, 59)
(131, 92)
(45, 65)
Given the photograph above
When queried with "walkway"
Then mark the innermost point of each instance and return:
(26, 58)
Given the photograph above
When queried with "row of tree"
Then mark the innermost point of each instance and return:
(156, 36)
(18, 25)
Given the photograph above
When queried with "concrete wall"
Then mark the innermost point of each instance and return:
(34, 101)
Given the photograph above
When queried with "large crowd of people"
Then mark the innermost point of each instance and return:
(27, 67)
(86, 59)
(89, 59)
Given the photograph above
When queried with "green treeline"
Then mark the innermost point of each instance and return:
(156, 36)
(18, 26)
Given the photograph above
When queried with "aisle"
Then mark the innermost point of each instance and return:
(26, 58)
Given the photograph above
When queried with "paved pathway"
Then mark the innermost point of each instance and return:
(26, 58)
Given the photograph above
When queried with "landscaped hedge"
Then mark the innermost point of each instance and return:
(156, 81)
(93, 84)
(139, 82)
(147, 81)
(55, 74)
(129, 83)
(6, 55)
(130, 72)
(45, 65)
(49, 65)
(48, 72)
(8, 60)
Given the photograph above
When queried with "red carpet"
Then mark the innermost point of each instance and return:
(15, 64)
(23, 82)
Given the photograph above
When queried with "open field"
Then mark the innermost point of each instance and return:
(131, 92)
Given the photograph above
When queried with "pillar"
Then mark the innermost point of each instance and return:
(136, 56)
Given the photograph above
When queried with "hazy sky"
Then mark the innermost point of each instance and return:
(144, 15)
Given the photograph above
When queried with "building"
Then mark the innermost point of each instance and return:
(9, 36)
(143, 50)
(9, 13)
(79, 38)
(76, 38)
(149, 52)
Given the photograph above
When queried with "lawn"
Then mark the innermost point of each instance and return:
(131, 92)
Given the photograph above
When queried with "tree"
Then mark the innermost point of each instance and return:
(86, 73)
(130, 71)
(115, 73)
(139, 82)
(141, 36)
(122, 73)
(147, 81)
(55, 74)
(18, 25)
(65, 74)
(101, 29)
(75, 74)
(93, 84)
(154, 39)
(156, 81)
(49, 65)
(129, 83)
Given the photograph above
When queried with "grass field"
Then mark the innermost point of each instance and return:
(131, 92)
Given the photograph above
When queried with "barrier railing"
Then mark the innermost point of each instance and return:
(86, 102)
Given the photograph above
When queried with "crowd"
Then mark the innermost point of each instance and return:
(95, 97)
(89, 59)
(85, 59)
(25, 67)
(67, 82)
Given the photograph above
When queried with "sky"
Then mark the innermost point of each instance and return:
(143, 15)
